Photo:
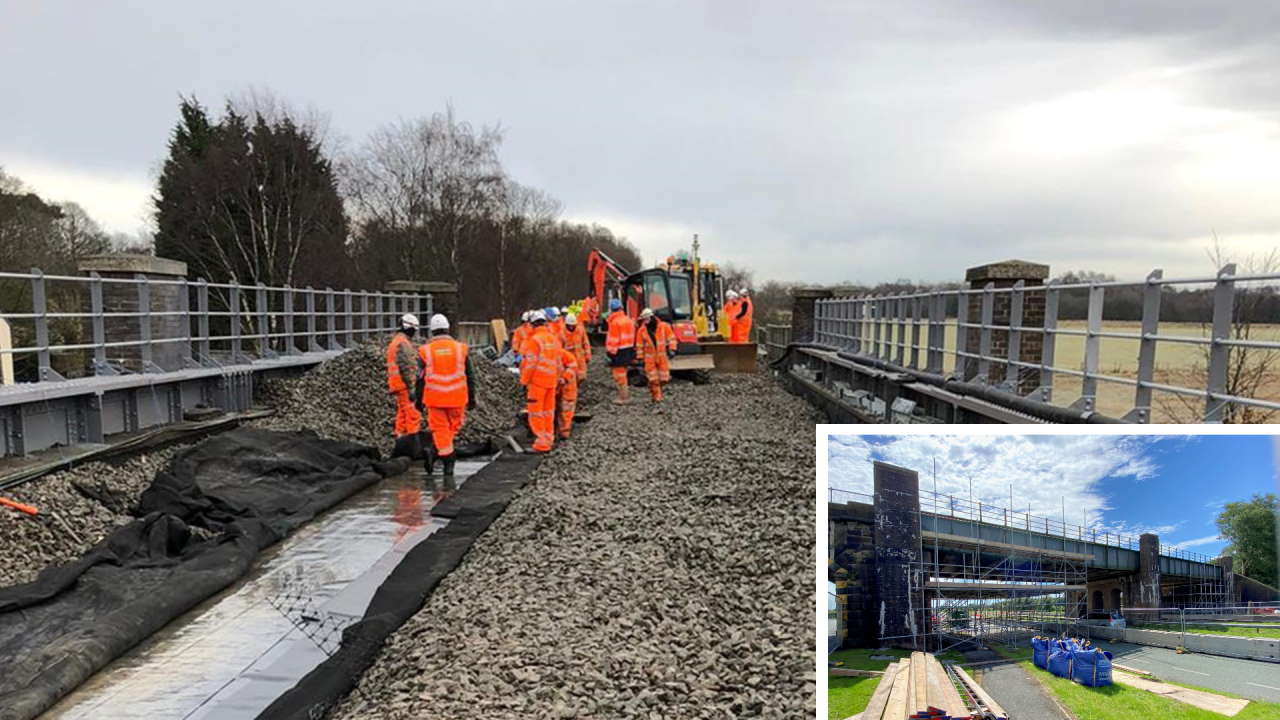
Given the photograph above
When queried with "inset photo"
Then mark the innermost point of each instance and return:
(1050, 576)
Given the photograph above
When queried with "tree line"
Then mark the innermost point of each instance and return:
(258, 195)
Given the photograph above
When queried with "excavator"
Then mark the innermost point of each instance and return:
(683, 291)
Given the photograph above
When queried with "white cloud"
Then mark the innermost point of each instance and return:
(1206, 540)
(1046, 474)
(120, 202)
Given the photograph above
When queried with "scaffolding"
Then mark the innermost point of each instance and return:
(968, 590)
(1199, 593)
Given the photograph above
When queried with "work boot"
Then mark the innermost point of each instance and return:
(429, 464)
(624, 395)
(448, 465)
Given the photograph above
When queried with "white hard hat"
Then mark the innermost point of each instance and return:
(570, 319)
(409, 320)
(731, 294)
(646, 313)
(743, 291)
(438, 322)
(537, 315)
(524, 316)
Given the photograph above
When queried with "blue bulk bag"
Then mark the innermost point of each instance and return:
(1091, 668)
(1040, 652)
(1060, 663)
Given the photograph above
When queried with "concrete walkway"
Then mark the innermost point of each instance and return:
(1252, 679)
(1021, 695)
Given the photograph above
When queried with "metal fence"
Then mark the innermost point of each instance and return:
(913, 330)
(944, 505)
(64, 326)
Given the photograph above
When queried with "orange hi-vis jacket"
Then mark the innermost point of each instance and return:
(622, 332)
(590, 311)
(444, 372)
(540, 364)
(569, 375)
(520, 335)
(400, 364)
(652, 347)
(577, 343)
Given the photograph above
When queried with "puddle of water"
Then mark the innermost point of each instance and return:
(235, 653)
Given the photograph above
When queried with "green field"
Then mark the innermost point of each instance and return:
(1179, 364)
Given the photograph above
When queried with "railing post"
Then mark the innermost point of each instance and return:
(937, 332)
(1013, 371)
(984, 333)
(331, 302)
(900, 309)
(144, 323)
(1151, 294)
(40, 306)
(877, 313)
(1050, 342)
(1224, 293)
(962, 334)
(364, 315)
(1092, 349)
(350, 322)
(916, 304)
(382, 313)
(819, 317)
(289, 347)
(184, 307)
(202, 320)
(313, 343)
(431, 304)
(233, 295)
(100, 364)
(264, 322)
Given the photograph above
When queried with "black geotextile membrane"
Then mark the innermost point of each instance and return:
(472, 509)
(249, 487)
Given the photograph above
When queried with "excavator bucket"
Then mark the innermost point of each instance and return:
(731, 357)
(700, 361)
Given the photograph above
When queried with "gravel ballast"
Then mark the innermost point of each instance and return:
(660, 564)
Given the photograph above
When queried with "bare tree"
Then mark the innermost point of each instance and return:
(424, 188)
(1250, 370)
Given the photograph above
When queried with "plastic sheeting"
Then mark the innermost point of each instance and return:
(245, 490)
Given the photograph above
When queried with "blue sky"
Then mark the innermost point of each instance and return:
(1173, 485)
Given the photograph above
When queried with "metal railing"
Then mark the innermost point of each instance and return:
(911, 330)
(959, 508)
(69, 325)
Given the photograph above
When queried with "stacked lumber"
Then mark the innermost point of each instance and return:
(918, 687)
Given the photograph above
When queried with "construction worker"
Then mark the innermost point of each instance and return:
(540, 368)
(590, 314)
(740, 320)
(402, 372)
(521, 333)
(655, 345)
(447, 391)
(576, 342)
(567, 392)
(620, 346)
(730, 311)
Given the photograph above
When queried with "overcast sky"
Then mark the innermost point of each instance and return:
(818, 142)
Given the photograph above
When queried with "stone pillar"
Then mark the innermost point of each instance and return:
(1031, 345)
(851, 565)
(802, 308)
(123, 297)
(1148, 591)
(897, 538)
(444, 297)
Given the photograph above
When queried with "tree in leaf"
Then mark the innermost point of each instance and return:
(1250, 527)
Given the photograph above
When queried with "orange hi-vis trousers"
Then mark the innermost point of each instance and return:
(568, 403)
(444, 424)
(619, 376)
(408, 419)
(542, 411)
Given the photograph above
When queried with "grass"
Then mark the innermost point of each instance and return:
(849, 695)
(1267, 631)
(1121, 702)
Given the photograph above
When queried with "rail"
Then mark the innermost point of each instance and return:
(67, 326)
(913, 330)
(950, 506)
